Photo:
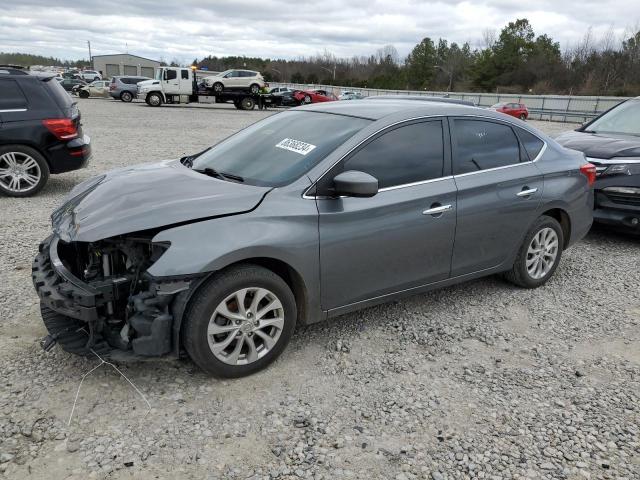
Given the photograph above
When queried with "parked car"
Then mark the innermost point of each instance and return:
(71, 84)
(286, 95)
(350, 96)
(316, 211)
(612, 143)
(89, 75)
(518, 110)
(304, 97)
(99, 88)
(40, 132)
(246, 80)
(125, 88)
(280, 90)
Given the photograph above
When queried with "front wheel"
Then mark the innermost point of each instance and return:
(218, 87)
(523, 117)
(83, 94)
(239, 321)
(539, 254)
(126, 97)
(154, 100)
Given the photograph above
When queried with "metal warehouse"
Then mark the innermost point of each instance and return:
(124, 64)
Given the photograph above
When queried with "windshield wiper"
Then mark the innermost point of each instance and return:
(223, 176)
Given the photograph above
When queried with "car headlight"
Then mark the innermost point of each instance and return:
(622, 169)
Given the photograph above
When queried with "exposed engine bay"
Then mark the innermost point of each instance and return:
(109, 299)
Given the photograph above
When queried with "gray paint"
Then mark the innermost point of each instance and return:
(119, 62)
(350, 252)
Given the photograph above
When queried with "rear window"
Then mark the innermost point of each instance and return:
(61, 97)
(532, 144)
(11, 95)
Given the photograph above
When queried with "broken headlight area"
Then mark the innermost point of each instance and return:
(105, 294)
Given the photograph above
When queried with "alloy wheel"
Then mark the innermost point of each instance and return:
(245, 326)
(19, 172)
(542, 253)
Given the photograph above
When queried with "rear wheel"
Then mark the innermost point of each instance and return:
(239, 321)
(126, 97)
(154, 99)
(539, 254)
(254, 88)
(247, 103)
(23, 171)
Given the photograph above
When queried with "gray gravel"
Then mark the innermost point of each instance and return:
(481, 380)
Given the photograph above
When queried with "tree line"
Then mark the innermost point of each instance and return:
(515, 60)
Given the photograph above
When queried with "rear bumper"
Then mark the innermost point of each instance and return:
(72, 155)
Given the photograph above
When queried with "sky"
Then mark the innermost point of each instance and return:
(189, 29)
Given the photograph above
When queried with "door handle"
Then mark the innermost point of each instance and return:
(527, 193)
(437, 210)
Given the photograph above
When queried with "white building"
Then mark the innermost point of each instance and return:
(124, 64)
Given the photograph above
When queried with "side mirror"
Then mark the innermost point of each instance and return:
(353, 183)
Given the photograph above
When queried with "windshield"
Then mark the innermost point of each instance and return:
(280, 148)
(623, 119)
(159, 74)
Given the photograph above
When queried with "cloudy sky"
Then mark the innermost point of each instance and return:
(287, 28)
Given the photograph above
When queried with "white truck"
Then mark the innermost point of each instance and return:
(185, 85)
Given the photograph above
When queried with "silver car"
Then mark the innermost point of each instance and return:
(305, 215)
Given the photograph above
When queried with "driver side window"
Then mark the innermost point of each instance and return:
(407, 154)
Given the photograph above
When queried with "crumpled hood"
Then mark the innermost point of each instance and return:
(598, 145)
(148, 196)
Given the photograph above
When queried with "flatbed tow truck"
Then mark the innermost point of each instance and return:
(174, 85)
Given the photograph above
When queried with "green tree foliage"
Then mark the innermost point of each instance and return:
(420, 64)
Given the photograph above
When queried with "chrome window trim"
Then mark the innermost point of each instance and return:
(413, 184)
(13, 110)
(443, 117)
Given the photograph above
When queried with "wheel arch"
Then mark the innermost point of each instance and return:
(564, 220)
(289, 274)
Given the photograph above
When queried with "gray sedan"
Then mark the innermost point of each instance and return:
(305, 215)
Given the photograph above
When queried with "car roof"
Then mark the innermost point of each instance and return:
(375, 110)
(421, 98)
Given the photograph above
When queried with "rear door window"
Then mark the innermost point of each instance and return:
(185, 74)
(11, 95)
(481, 145)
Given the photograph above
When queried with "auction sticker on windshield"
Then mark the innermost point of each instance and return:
(297, 146)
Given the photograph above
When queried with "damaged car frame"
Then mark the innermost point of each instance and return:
(305, 215)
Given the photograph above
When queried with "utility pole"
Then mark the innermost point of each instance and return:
(90, 57)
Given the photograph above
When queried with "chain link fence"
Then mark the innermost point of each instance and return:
(558, 108)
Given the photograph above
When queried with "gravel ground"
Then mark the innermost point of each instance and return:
(480, 380)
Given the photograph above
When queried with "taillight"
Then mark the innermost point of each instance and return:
(112, 86)
(62, 128)
(589, 171)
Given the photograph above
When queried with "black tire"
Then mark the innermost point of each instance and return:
(83, 94)
(154, 99)
(205, 302)
(254, 88)
(126, 97)
(72, 335)
(518, 274)
(236, 104)
(307, 99)
(218, 87)
(42, 165)
(523, 117)
(247, 103)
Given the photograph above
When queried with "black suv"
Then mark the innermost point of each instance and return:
(40, 132)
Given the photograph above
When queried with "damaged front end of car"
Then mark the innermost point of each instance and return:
(98, 296)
